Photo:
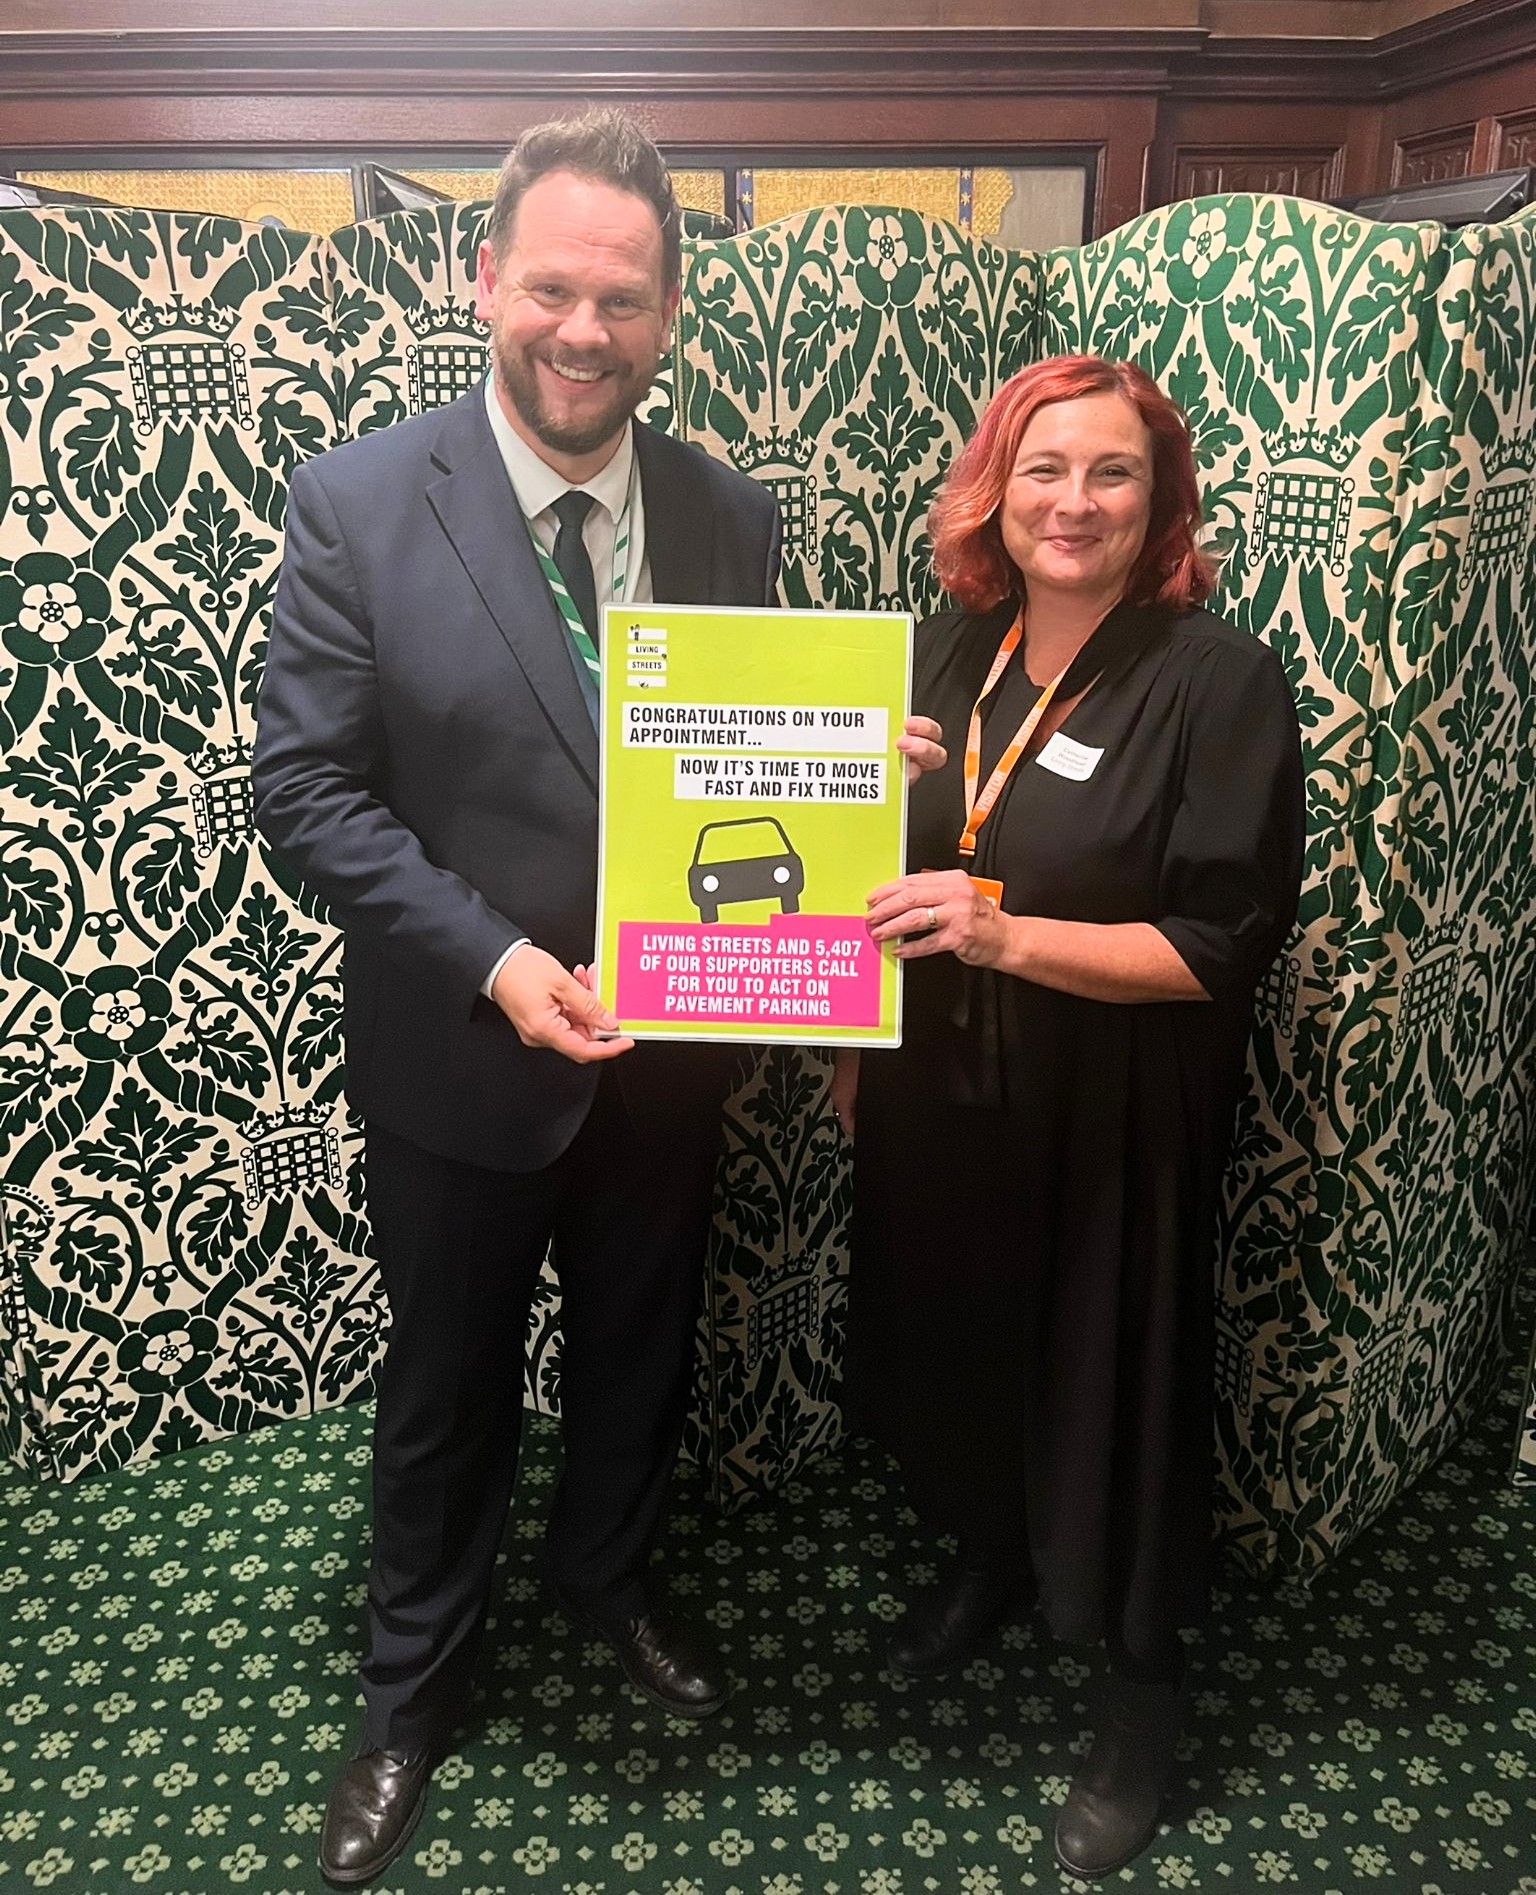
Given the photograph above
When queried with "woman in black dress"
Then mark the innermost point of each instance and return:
(1099, 879)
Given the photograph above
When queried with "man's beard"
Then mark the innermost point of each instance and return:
(517, 378)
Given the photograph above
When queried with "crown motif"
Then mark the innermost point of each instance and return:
(1429, 944)
(25, 1221)
(449, 317)
(777, 449)
(176, 315)
(1311, 441)
(1237, 1319)
(797, 1263)
(1510, 453)
(213, 758)
(286, 1118)
(1386, 1333)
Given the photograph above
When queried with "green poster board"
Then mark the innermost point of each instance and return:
(752, 796)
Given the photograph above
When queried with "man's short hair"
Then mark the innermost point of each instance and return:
(606, 146)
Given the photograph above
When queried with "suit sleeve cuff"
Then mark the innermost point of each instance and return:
(490, 980)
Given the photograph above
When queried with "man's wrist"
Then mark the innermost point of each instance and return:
(490, 980)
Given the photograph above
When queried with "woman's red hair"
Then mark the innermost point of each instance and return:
(969, 557)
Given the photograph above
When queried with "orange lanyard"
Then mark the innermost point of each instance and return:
(979, 808)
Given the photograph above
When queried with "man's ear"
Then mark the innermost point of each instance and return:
(485, 281)
(669, 311)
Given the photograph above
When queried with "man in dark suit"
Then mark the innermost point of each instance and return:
(427, 760)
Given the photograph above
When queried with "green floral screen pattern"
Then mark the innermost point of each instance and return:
(1361, 403)
(183, 1249)
(180, 1256)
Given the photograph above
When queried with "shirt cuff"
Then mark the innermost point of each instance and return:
(490, 980)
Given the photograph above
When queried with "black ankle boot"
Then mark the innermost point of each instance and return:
(1111, 1811)
(950, 1624)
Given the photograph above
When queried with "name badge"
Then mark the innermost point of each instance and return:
(1063, 757)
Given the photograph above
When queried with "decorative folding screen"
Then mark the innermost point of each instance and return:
(180, 1257)
(1472, 807)
(183, 1254)
(1348, 398)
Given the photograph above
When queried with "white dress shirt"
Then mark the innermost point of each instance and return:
(537, 487)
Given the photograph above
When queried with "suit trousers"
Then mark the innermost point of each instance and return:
(627, 1210)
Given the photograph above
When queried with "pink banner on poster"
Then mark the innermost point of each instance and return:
(818, 968)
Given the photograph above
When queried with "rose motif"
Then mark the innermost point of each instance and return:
(888, 249)
(1206, 242)
(53, 612)
(116, 1013)
(167, 1351)
(1204, 247)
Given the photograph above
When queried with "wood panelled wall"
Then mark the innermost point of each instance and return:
(1449, 97)
(1464, 127)
(1174, 97)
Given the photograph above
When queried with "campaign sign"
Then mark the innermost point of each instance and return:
(752, 796)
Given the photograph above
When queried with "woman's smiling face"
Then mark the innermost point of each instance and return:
(1074, 513)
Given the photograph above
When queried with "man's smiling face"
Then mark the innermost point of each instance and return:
(579, 318)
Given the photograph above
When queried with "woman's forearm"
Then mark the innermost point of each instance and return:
(1126, 961)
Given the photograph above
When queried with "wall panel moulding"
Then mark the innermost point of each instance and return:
(887, 59)
(1435, 158)
(185, 75)
(1480, 38)
(1303, 171)
(1515, 141)
(285, 17)
(1456, 42)
(886, 62)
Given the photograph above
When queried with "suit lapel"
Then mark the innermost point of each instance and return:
(678, 533)
(477, 509)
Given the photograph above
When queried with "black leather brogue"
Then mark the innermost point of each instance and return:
(371, 1813)
(665, 1658)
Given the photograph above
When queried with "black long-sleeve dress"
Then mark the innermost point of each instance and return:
(1037, 1175)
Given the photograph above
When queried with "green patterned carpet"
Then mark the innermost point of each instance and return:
(177, 1643)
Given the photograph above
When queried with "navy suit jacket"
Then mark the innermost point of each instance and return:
(425, 761)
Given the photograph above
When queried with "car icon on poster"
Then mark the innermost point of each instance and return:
(748, 859)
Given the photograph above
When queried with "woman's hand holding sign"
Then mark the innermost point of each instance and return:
(939, 912)
(920, 743)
